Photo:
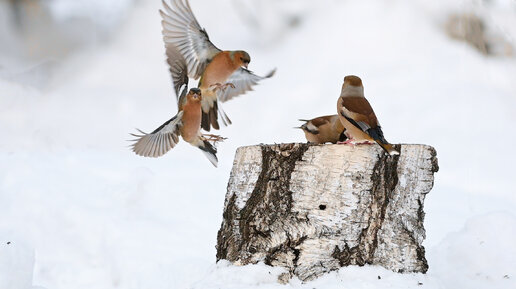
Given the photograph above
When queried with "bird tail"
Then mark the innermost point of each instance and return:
(377, 134)
(388, 148)
(210, 118)
(205, 121)
(223, 116)
(209, 150)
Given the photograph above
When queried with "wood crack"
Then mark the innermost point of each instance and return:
(315, 208)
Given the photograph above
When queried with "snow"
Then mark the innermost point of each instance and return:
(80, 210)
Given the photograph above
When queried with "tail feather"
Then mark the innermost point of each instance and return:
(214, 116)
(210, 151)
(388, 148)
(205, 122)
(377, 134)
(224, 117)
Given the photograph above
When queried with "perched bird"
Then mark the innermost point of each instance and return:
(357, 116)
(223, 74)
(186, 123)
(324, 129)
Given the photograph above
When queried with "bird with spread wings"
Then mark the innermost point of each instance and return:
(222, 74)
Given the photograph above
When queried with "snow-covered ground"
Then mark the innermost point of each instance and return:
(79, 210)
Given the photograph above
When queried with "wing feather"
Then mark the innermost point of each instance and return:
(178, 70)
(161, 140)
(360, 111)
(243, 80)
(181, 30)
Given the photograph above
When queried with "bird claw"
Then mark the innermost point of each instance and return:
(222, 87)
(213, 138)
(349, 141)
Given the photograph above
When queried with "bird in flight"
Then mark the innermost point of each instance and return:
(186, 123)
(222, 74)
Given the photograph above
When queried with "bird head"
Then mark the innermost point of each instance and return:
(352, 86)
(241, 58)
(353, 80)
(194, 95)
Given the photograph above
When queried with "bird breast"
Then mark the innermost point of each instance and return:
(218, 70)
(191, 121)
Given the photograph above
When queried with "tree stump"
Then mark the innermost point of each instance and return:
(315, 208)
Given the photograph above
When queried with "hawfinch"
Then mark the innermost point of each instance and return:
(186, 123)
(223, 74)
(357, 116)
(324, 129)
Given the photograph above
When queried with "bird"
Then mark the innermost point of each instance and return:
(358, 117)
(222, 74)
(324, 129)
(186, 123)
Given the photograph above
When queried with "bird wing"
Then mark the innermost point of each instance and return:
(318, 121)
(181, 30)
(161, 140)
(178, 69)
(359, 112)
(243, 80)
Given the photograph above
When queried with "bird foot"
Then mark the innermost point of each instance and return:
(349, 141)
(213, 138)
(222, 87)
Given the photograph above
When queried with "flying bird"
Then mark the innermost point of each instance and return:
(223, 74)
(358, 117)
(186, 123)
(324, 129)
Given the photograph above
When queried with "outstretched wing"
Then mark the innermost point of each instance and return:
(181, 30)
(178, 69)
(243, 80)
(161, 140)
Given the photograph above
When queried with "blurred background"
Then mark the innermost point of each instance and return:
(79, 210)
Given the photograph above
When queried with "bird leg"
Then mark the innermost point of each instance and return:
(213, 138)
(222, 87)
(349, 141)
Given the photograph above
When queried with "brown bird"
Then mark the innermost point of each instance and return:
(324, 129)
(223, 74)
(186, 123)
(358, 117)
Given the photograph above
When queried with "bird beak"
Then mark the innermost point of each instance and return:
(246, 64)
(298, 127)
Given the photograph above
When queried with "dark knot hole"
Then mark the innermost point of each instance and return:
(322, 207)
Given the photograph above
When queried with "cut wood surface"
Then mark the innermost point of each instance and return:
(315, 208)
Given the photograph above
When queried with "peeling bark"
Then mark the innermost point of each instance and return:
(315, 208)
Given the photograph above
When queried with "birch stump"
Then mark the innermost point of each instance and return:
(315, 208)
